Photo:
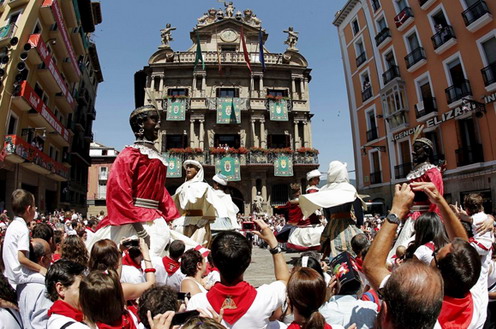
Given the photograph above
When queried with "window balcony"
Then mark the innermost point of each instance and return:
(425, 4)
(383, 37)
(6, 33)
(443, 39)
(426, 107)
(415, 59)
(476, 16)
(489, 74)
(376, 5)
(392, 73)
(366, 94)
(458, 91)
(375, 177)
(469, 154)
(372, 134)
(404, 18)
(400, 171)
(361, 59)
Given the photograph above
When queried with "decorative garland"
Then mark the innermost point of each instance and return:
(187, 150)
(231, 150)
(308, 150)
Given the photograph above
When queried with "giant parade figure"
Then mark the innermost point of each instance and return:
(137, 200)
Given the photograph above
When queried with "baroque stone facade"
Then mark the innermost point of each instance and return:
(257, 136)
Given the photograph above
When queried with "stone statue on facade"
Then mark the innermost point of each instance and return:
(210, 135)
(292, 38)
(166, 35)
(242, 137)
(208, 18)
(258, 203)
(229, 9)
(238, 16)
(220, 15)
(202, 20)
(251, 18)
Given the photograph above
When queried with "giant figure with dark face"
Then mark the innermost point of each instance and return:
(423, 171)
(137, 200)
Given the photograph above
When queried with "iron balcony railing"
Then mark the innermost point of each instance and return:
(458, 91)
(361, 59)
(393, 72)
(442, 36)
(414, 57)
(372, 134)
(366, 94)
(400, 171)
(474, 12)
(430, 106)
(489, 74)
(469, 154)
(403, 16)
(382, 35)
(375, 177)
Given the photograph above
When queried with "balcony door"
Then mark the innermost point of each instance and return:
(456, 73)
(489, 48)
(467, 133)
(413, 41)
(390, 60)
(229, 140)
(405, 154)
(439, 19)
(469, 3)
(401, 4)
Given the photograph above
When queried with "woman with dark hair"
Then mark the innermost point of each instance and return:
(73, 249)
(102, 301)
(193, 265)
(9, 317)
(430, 235)
(306, 293)
(106, 256)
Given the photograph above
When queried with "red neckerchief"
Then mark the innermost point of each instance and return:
(127, 260)
(295, 325)
(235, 300)
(62, 308)
(456, 312)
(55, 257)
(478, 244)
(210, 268)
(125, 322)
(170, 265)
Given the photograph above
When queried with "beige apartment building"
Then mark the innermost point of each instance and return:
(49, 72)
(253, 124)
(421, 62)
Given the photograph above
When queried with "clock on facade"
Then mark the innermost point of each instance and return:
(229, 35)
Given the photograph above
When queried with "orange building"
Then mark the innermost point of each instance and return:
(421, 62)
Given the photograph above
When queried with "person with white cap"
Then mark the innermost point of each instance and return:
(313, 180)
(224, 223)
(198, 205)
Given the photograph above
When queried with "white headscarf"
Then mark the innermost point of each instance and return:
(336, 192)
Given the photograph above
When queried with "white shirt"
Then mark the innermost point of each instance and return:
(32, 301)
(269, 298)
(345, 310)
(491, 278)
(10, 319)
(16, 239)
(131, 274)
(424, 254)
(162, 277)
(56, 321)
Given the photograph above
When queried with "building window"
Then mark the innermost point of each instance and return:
(278, 141)
(41, 93)
(371, 125)
(37, 28)
(381, 24)
(227, 92)
(375, 168)
(13, 18)
(277, 92)
(12, 127)
(355, 26)
(177, 92)
(401, 4)
(489, 48)
(156, 83)
(228, 48)
(394, 104)
(227, 141)
(470, 150)
(102, 190)
(173, 142)
(279, 194)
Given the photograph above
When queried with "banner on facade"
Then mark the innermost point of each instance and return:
(283, 165)
(278, 110)
(176, 109)
(229, 167)
(228, 111)
(174, 169)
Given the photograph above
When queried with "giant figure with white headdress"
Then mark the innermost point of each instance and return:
(338, 198)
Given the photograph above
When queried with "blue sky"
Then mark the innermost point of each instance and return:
(130, 34)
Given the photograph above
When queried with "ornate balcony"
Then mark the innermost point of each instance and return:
(404, 18)
(382, 36)
(392, 73)
(19, 151)
(468, 155)
(476, 16)
(415, 59)
(489, 74)
(443, 39)
(305, 158)
(366, 94)
(372, 134)
(361, 59)
(400, 171)
(457, 92)
(375, 177)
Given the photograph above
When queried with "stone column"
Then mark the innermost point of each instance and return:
(252, 86)
(253, 134)
(262, 134)
(161, 84)
(192, 137)
(305, 134)
(305, 83)
(202, 134)
(293, 87)
(204, 85)
(296, 135)
(193, 86)
(309, 129)
(302, 90)
(253, 192)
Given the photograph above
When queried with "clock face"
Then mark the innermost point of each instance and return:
(228, 36)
